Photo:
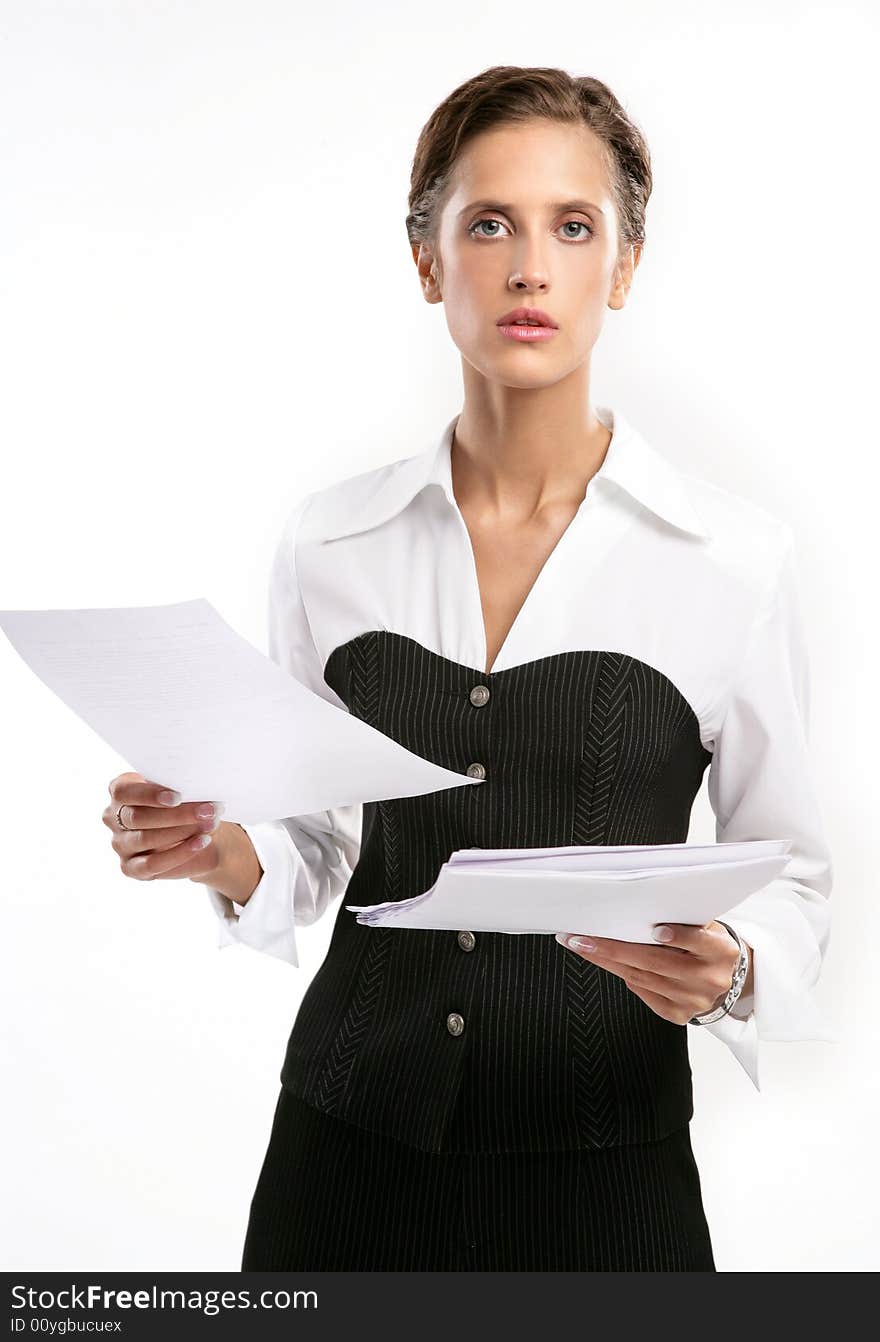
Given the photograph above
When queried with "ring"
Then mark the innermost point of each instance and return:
(119, 817)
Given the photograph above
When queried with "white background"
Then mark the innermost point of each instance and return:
(208, 307)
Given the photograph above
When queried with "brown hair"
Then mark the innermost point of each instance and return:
(508, 93)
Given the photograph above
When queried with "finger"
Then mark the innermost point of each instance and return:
(699, 939)
(679, 977)
(692, 981)
(133, 789)
(608, 951)
(662, 1006)
(129, 843)
(175, 862)
(158, 817)
(680, 991)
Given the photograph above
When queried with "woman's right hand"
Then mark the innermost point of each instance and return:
(161, 840)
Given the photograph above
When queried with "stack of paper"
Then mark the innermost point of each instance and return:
(619, 892)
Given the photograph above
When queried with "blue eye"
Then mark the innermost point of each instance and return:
(578, 223)
(474, 227)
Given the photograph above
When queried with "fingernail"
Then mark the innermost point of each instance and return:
(663, 933)
(169, 798)
(574, 942)
(210, 810)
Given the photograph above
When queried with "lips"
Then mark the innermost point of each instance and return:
(526, 317)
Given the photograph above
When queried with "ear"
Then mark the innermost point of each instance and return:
(429, 270)
(624, 269)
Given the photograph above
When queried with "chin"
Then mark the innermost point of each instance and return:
(513, 370)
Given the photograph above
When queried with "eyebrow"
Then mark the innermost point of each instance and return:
(556, 207)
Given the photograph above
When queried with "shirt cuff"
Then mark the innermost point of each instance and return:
(741, 1037)
(266, 921)
(784, 1007)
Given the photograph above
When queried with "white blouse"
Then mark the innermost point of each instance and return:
(657, 564)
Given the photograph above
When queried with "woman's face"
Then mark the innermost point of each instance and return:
(529, 221)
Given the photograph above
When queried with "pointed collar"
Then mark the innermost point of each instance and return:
(631, 463)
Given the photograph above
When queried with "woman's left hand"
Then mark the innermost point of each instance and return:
(688, 975)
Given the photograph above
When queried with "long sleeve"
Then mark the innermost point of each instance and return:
(307, 860)
(760, 787)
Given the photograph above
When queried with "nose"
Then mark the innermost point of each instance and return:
(532, 280)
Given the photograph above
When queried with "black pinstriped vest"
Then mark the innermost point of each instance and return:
(582, 747)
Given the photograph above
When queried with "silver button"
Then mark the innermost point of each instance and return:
(454, 1023)
(467, 941)
(479, 695)
(476, 771)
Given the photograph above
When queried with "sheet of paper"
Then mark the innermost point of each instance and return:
(620, 903)
(190, 704)
(596, 857)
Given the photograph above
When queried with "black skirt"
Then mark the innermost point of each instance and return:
(335, 1197)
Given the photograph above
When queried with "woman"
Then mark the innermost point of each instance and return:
(540, 600)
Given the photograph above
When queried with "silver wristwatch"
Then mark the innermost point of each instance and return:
(739, 977)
